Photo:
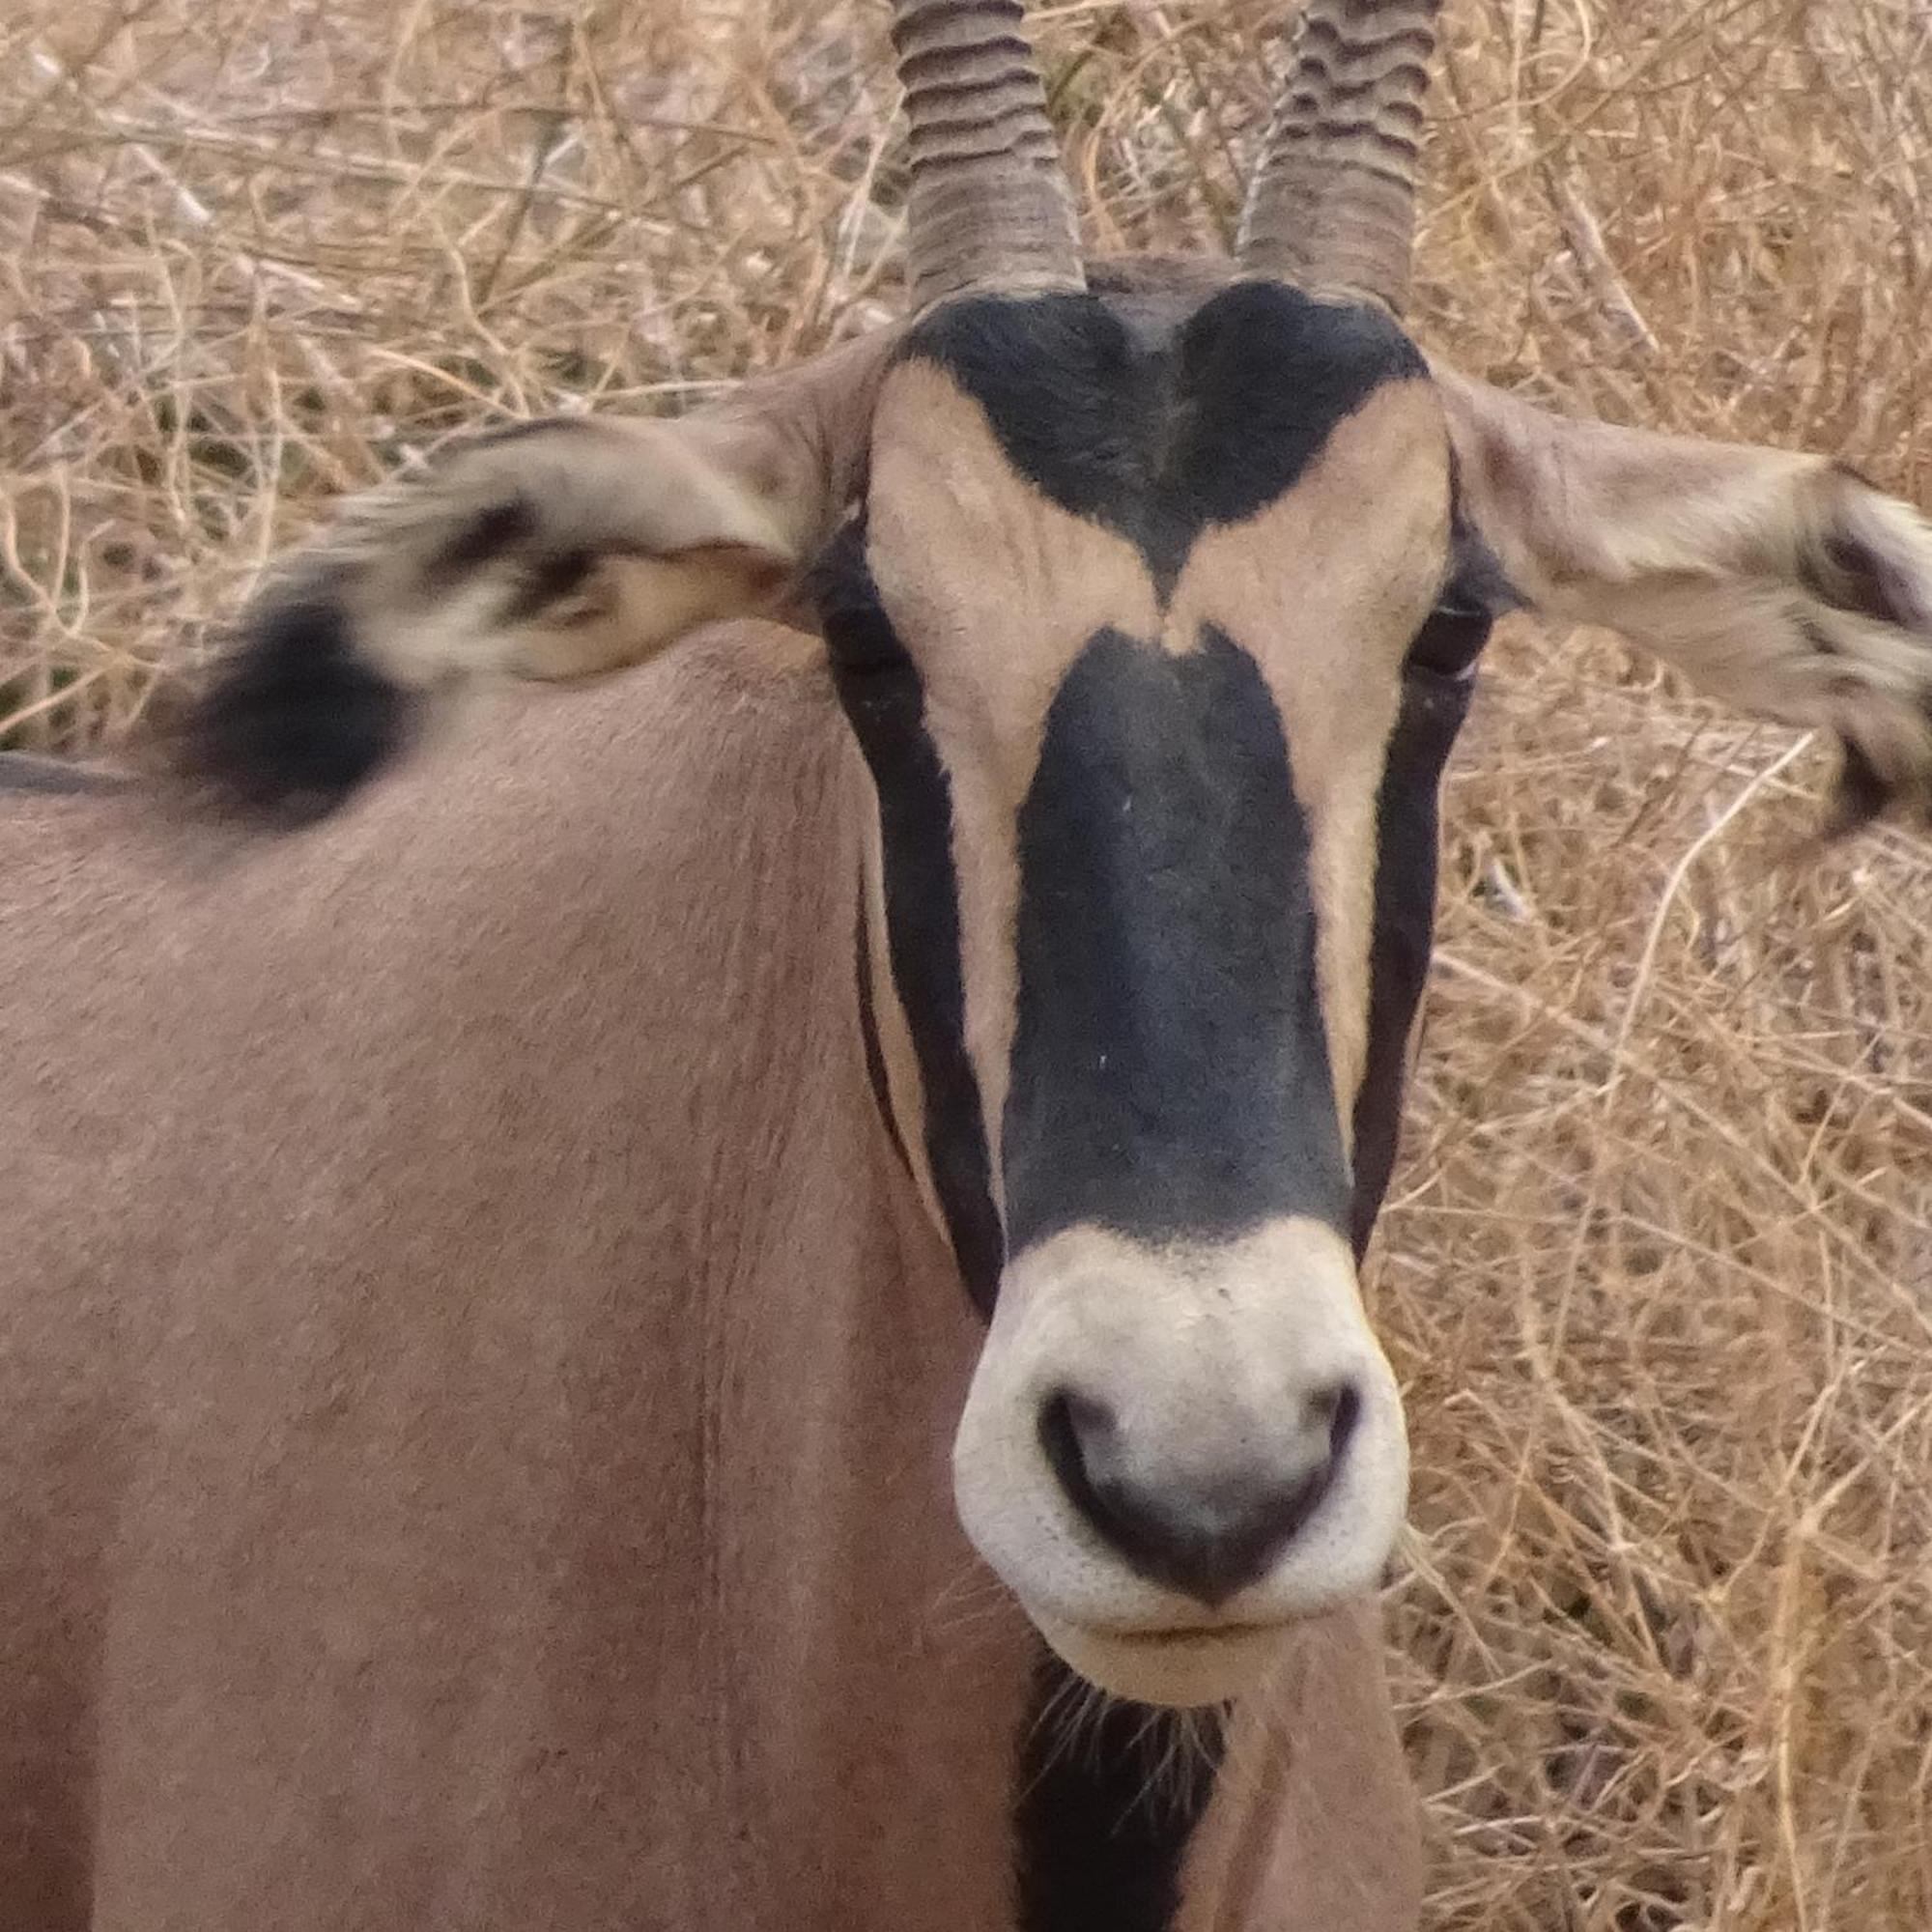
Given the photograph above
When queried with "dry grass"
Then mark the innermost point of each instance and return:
(1658, 1272)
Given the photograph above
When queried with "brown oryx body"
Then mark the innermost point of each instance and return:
(506, 1271)
(478, 1384)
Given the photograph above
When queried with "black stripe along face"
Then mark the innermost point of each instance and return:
(879, 686)
(1125, 633)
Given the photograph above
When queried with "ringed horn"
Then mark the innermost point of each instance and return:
(990, 205)
(1332, 204)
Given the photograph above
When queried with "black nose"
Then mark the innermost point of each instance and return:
(1205, 1526)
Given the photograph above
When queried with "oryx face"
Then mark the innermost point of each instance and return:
(1138, 627)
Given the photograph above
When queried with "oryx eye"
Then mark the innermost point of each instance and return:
(861, 641)
(1452, 638)
(859, 637)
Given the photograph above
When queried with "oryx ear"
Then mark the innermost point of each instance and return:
(554, 549)
(1782, 584)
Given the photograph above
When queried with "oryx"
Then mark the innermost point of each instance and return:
(501, 1276)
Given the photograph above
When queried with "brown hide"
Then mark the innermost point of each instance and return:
(476, 1387)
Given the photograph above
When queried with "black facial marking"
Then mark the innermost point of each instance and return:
(1433, 707)
(295, 719)
(882, 695)
(1107, 1804)
(485, 537)
(1160, 442)
(1170, 1071)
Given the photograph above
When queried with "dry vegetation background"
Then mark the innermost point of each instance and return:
(1659, 1270)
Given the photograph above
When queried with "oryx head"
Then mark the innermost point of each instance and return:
(1153, 599)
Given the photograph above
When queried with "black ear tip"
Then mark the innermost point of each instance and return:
(1864, 794)
(295, 719)
(1860, 795)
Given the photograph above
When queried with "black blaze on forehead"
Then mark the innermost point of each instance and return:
(1158, 442)
(1170, 1069)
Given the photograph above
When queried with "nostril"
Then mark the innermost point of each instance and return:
(1207, 1531)
(1068, 1424)
(1337, 1410)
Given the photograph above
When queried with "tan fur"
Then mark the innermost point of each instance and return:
(1299, 1809)
(476, 1384)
